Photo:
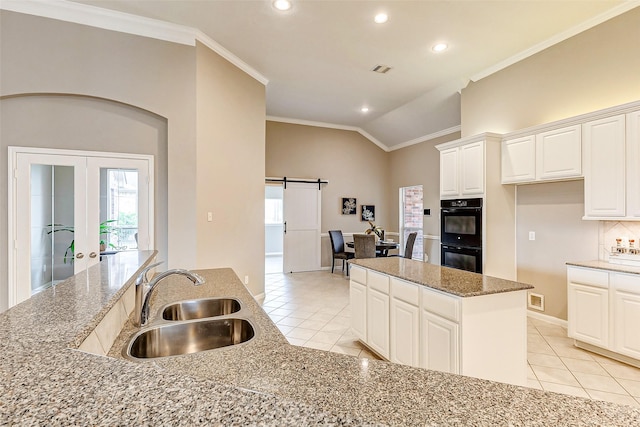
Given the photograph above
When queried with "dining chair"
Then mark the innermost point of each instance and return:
(364, 245)
(408, 249)
(337, 247)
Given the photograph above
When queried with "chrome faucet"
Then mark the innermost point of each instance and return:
(144, 289)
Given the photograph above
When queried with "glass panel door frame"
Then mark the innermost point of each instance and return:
(86, 168)
(418, 248)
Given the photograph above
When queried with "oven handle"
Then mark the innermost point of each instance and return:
(458, 210)
(466, 248)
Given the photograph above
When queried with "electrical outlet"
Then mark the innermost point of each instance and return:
(209, 216)
(246, 280)
(532, 235)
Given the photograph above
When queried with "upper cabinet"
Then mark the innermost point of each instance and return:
(633, 163)
(604, 158)
(611, 160)
(462, 169)
(547, 156)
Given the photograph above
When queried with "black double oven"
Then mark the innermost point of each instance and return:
(461, 234)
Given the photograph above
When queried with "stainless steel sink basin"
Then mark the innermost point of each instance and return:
(173, 339)
(201, 308)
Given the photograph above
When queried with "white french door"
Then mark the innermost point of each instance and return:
(301, 207)
(68, 208)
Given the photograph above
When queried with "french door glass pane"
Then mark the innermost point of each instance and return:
(118, 209)
(52, 225)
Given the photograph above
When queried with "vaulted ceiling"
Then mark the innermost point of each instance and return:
(318, 55)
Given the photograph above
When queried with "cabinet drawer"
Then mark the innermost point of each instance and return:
(440, 304)
(587, 276)
(358, 274)
(626, 282)
(405, 291)
(379, 282)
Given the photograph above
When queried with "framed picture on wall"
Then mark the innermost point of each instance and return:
(368, 213)
(349, 206)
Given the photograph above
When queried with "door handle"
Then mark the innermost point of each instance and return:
(93, 255)
(285, 227)
(80, 255)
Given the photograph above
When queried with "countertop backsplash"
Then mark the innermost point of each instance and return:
(611, 230)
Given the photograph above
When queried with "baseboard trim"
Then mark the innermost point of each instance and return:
(547, 318)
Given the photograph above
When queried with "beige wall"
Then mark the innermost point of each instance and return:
(419, 164)
(148, 78)
(593, 70)
(553, 212)
(596, 69)
(230, 164)
(352, 164)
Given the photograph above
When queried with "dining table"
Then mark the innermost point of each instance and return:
(382, 247)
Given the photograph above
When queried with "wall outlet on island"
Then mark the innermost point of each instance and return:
(246, 280)
(532, 235)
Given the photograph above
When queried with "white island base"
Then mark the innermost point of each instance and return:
(483, 336)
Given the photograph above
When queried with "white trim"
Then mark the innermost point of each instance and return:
(328, 126)
(575, 120)
(547, 318)
(226, 54)
(365, 133)
(469, 139)
(429, 137)
(430, 237)
(106, 19)
(590, 23)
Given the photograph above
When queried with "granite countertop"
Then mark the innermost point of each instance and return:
(450, 280)
(265, 381)
(604, 265)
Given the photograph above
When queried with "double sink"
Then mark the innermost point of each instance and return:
(191, 326)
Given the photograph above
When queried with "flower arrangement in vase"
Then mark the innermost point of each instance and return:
(375, 229)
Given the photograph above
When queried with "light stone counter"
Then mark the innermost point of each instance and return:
(604, 265)
(44, 381)
(450, 280)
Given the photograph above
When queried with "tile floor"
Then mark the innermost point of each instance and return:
(312, 310)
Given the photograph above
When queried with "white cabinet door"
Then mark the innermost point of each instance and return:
(378, 322)
(440, 347)
(559, 153)
(604, 167)
(405, 338)
(626, 313)
(588, 308)
(472, 169)
(519, 160)
(449, 172)
(626, 322)
(358, 298)
(633, 164)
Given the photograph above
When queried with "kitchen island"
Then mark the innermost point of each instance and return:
(46, 380)
(441, 318)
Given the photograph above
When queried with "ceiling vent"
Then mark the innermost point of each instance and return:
(382, 69)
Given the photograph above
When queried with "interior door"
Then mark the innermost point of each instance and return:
(68, 209)
(49, 242)
(301, 227)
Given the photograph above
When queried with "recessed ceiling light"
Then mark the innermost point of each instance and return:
(365, 109)
(439, 47)
(282, 4)
(381, 18)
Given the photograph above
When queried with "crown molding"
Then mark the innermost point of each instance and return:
(329, 126)
(106, 19)
(429, 137)
(611, 13)
(365, 133)
(226, 54)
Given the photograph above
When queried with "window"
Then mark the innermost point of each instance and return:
(119, 231)
(411, 217)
